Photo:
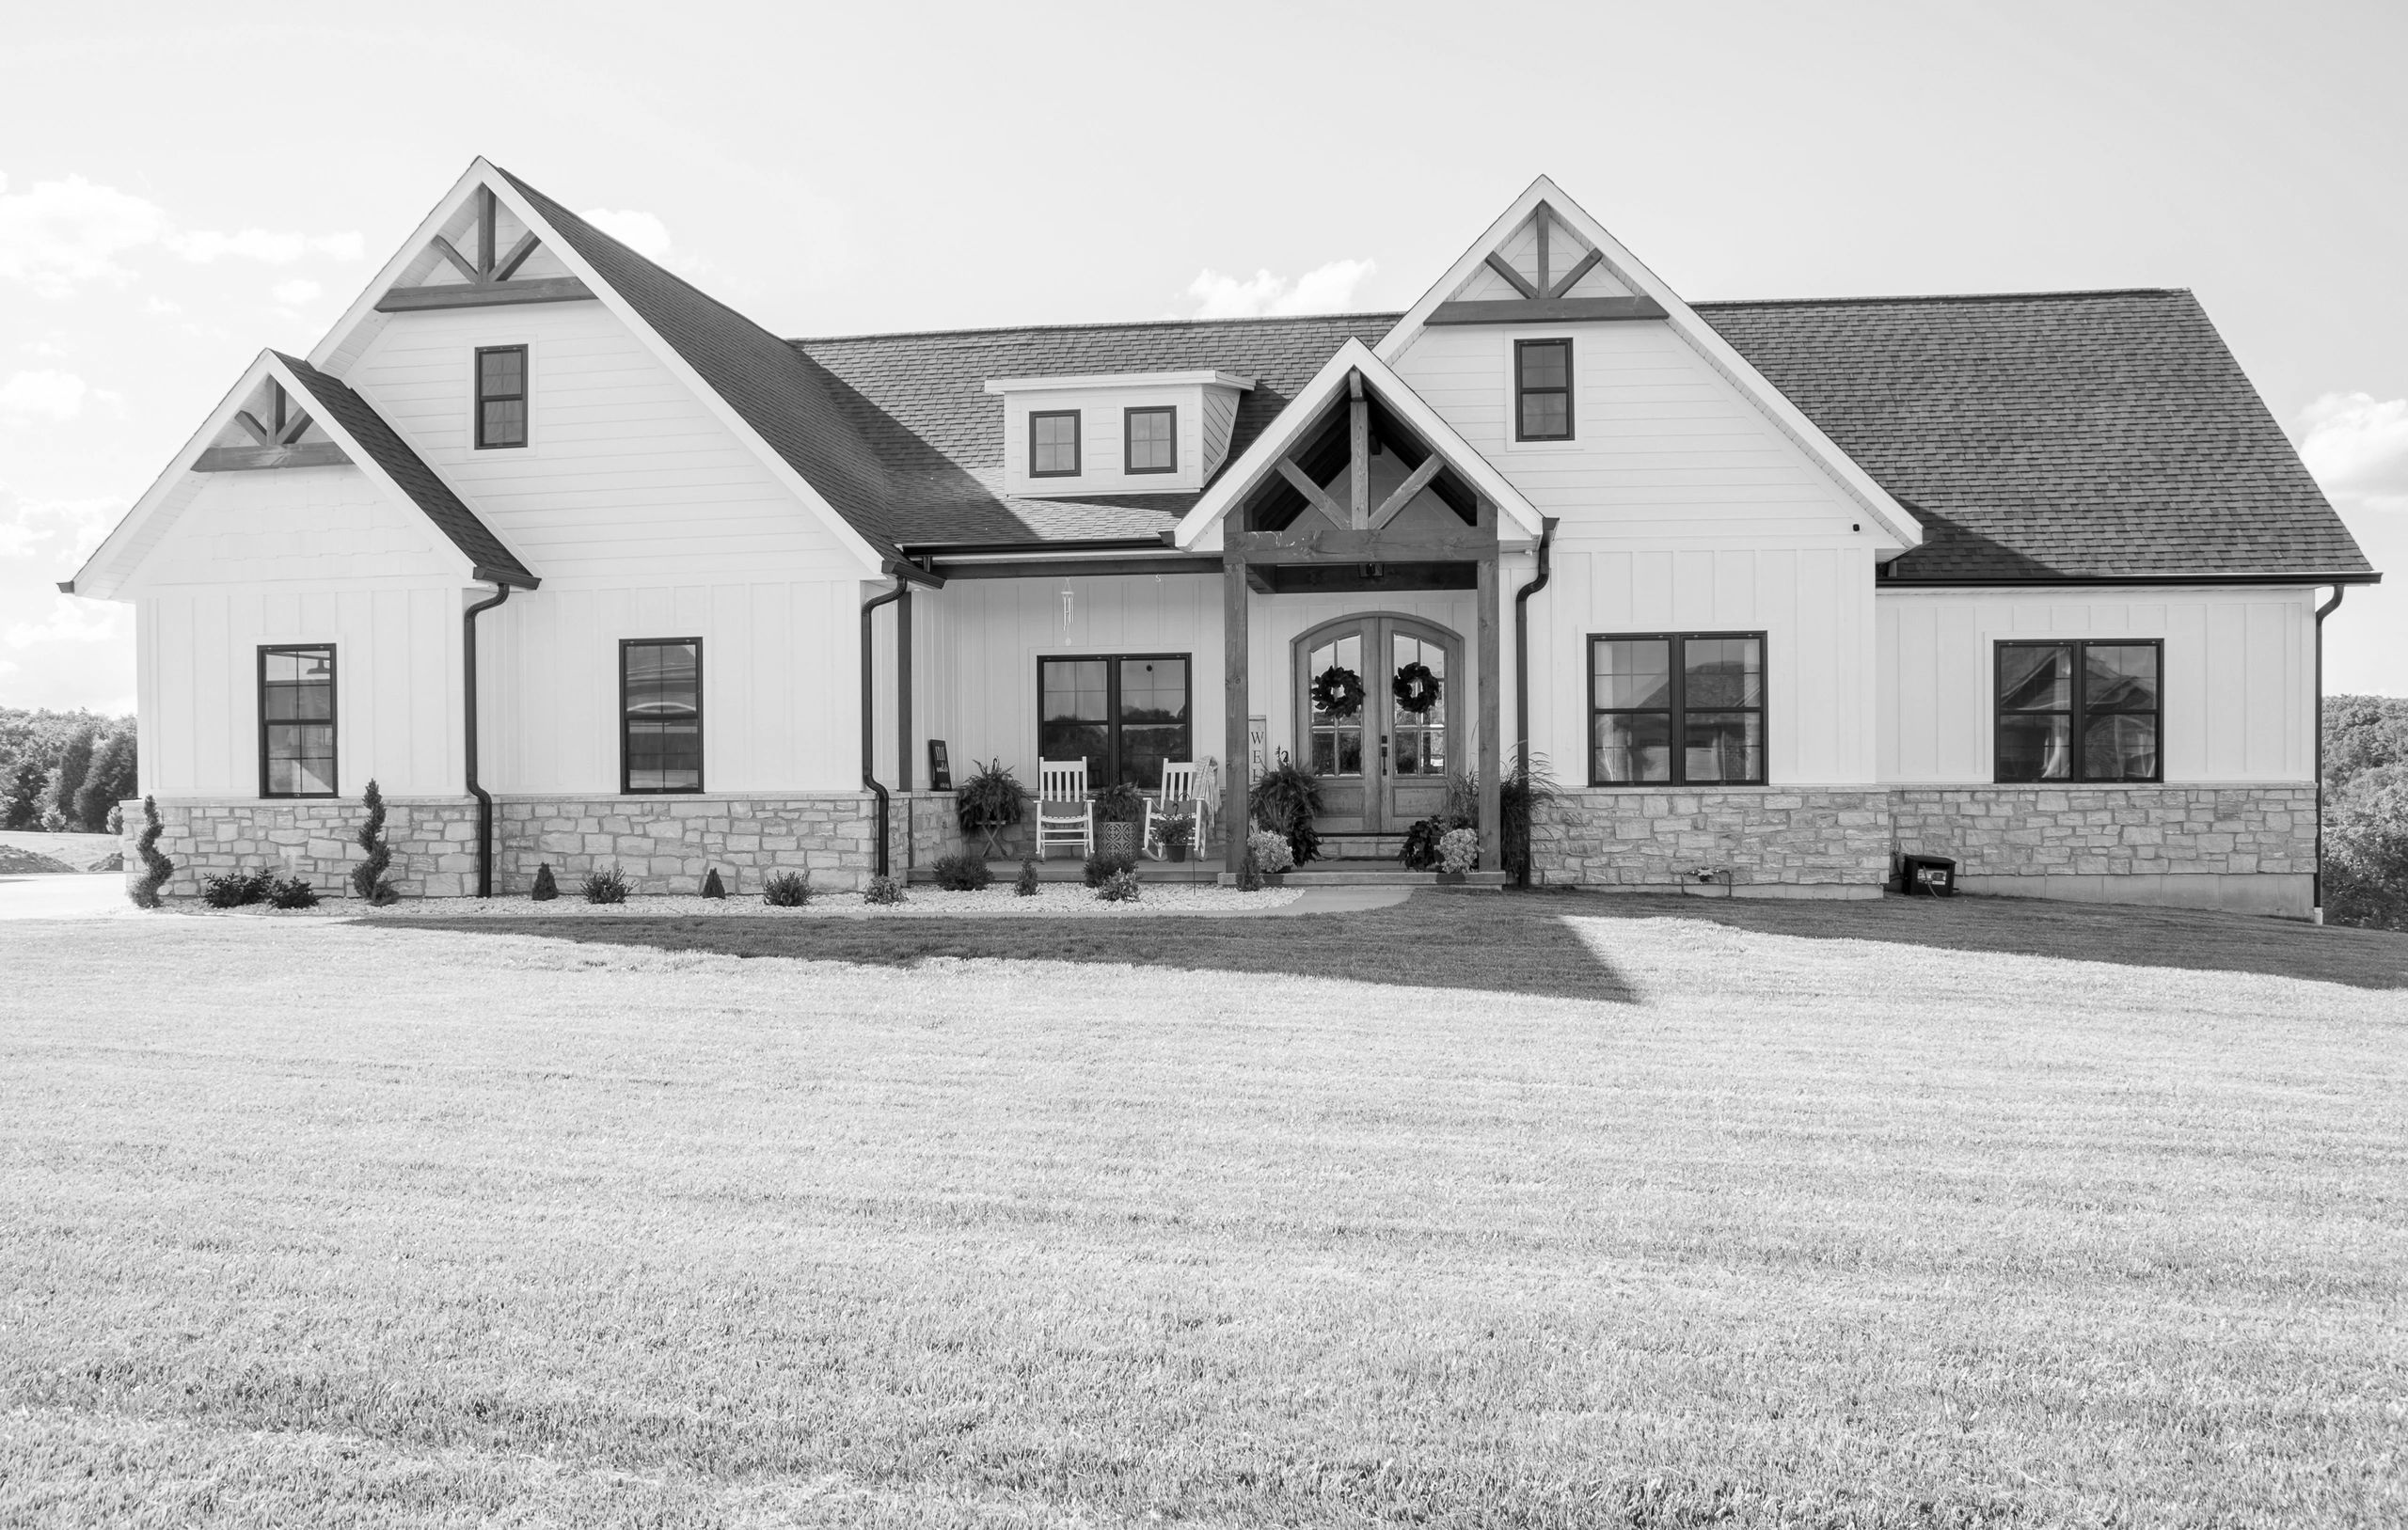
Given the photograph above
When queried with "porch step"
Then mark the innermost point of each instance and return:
(1362, 847)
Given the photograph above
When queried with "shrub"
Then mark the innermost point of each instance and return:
(368, 878)
(236, 890)
(712, 886)
(545, 889)
(606, 886)
(1250, 869)
(1420, 852)
(884, 889)
(786, 890)
(110, 780)
(1100, 867)
(115, 822)
(293, 892)
(963, 872)
(1121, 887)
(1459, 849)
(1025, 883)
(156, 867)
(1269, 852)
(1526, 788)
(1286, 799)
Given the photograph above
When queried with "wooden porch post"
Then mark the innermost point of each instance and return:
(1235, 786)
(1491, 684)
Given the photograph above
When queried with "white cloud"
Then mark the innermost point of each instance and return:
(66, 530)
(2357, 447)
(61, 234)
(42, 395)
(155, 304)
(71, 621)
(1328, 289)
(42, 348)
(273, 246)
(297, 291)
(644, 233)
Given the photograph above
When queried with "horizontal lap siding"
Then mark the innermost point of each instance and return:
(628, 474)
(2240, 681)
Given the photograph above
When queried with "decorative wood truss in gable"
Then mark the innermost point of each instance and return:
(275, 442)
(492, 278)
(1547, 300)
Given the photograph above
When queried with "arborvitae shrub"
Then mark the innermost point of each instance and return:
(712, 886)
(293, 892)
(156, 868)
(545, 889)
(963, 872)
(786, 890)
(368, 879)
(1121, 887)
(1025, 884)
(1101, 867)
(883, 890)
(608, 886)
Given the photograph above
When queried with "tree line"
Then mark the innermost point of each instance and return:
(65, 771)
(2365, 811)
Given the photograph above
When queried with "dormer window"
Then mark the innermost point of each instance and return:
(501, 396)
(1152, 440)
(1053, 443)
(1543, 390)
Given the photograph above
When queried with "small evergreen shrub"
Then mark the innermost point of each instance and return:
(1121, 887)
(545, 888)
(883, 890)
(786, 890)
(1249, 872)
(236, 890)
(1025, 883)
(368, 878)
(1269, 851)
(712, 886)
(963, 872)
(606, 886)
(1101, 867)
(156, 868)
(292, 892)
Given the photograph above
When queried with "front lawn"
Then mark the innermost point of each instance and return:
(1481, 1210)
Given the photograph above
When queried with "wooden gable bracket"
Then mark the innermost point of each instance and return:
(488, 275)
(1543, 301)
(279, 441)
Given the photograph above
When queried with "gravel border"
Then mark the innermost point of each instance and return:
(1052, 899)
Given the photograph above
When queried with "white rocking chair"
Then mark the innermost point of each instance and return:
(1177, 798)
(1065, 815)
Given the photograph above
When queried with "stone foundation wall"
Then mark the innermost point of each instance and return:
(2111, 830)
(432, 839)
(1757, 837)
(668, 843)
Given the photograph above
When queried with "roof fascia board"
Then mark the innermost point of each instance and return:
(1684, 321)
(2287, 578)
(1241, 477)
(1119, 379)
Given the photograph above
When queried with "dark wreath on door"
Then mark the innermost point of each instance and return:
(1375, 704)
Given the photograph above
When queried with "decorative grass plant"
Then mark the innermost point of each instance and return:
(606, 886)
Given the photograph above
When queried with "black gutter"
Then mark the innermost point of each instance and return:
(1522, 663)
(468, 700)
(2316, 897)
(869, 714)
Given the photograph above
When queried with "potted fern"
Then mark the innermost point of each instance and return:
(987, 801)
(1120, 809)
(1179, 833)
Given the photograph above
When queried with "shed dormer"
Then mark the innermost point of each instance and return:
(1115, 432)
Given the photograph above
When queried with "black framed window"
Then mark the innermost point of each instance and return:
(1541, 390)
(1152, 439)
(1124, 714)
(661, 715)
(2079, 711)
(297, 720)
(1053, 443)
(501, 396)
(1677, 709)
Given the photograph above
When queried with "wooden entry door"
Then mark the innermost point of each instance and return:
(1382, 767)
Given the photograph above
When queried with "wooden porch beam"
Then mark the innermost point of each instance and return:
(1319, 496)
(1546, 310)
(1415, 482)
(1235, 784)
(1358, 430)
(1335, 546)
(1572, 279)
(246, 459)
(1505, 269)
(517, 258)
(484, 295)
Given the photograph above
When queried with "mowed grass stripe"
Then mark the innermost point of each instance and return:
(1806, 1230)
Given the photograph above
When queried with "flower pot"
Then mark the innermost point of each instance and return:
(1175, 853)
(1115, 838)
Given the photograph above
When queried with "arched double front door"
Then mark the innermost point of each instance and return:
(1383, 760)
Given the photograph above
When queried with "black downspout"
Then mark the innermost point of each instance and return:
(870, 717)
(485, 799)
(2315, 900)
(1522, 666)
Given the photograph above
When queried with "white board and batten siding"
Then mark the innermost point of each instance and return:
(1682, 508)
(303, 554)
(2240, 683)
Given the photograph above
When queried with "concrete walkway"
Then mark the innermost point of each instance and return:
(87, 895)
(1342, 900)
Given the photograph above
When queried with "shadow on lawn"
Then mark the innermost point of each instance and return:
(1434, 940)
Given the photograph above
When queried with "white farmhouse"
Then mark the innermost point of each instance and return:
(584, 567)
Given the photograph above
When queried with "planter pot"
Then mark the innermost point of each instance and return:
(1175, 854)
(1115, 838)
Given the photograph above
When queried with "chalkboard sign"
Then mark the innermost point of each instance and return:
(939, 767)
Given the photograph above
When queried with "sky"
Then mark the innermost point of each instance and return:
(181, 187)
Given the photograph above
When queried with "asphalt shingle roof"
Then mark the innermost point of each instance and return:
(332, 399)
